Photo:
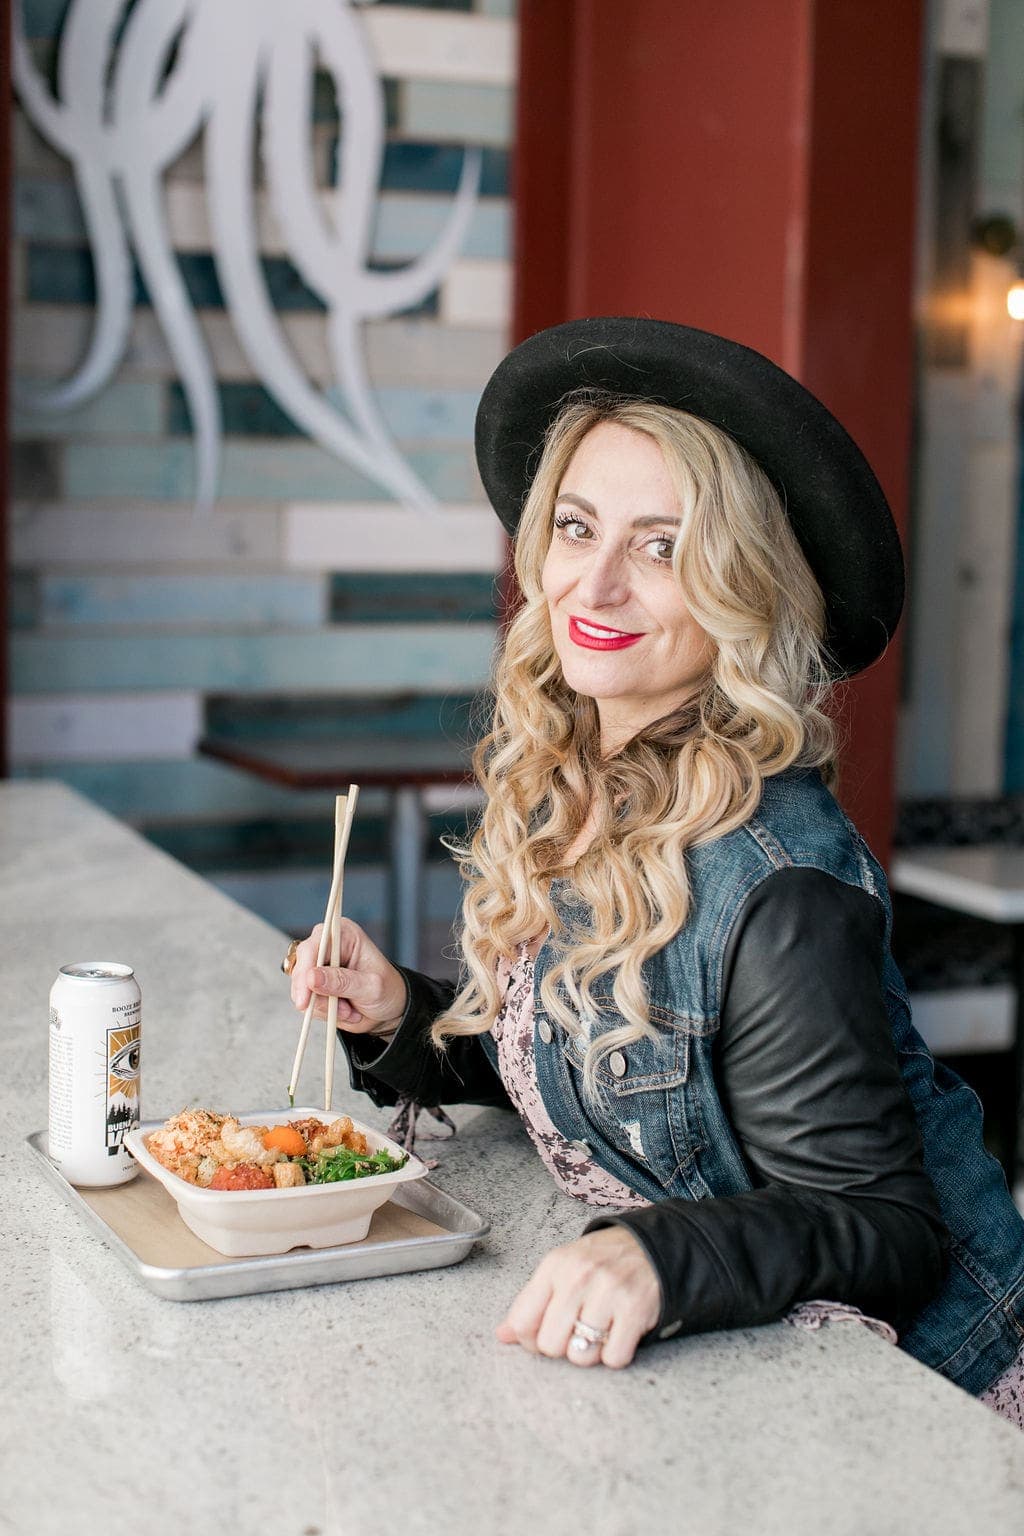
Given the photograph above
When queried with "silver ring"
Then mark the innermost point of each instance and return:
(584, 1335)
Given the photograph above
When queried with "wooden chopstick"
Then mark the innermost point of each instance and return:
(342, 828)
(344, 810)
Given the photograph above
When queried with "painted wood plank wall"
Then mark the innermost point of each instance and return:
(133, 617)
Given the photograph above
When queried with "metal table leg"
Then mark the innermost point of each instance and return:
(408, 833)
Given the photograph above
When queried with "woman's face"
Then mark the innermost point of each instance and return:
(622, 631)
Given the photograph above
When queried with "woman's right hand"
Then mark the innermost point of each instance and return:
(371, 993)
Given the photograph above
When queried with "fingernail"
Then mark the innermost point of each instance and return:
(319, 979)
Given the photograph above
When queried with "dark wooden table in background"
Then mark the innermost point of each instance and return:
(403, 767)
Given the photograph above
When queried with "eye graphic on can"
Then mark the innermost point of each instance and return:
(123, 1051)
(124, 1063)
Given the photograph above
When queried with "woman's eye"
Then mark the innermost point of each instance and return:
(562, 523)
(575, 531)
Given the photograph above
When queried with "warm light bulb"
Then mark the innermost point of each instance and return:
(1015, 300)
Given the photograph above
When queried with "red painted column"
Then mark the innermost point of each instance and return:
(749, 168)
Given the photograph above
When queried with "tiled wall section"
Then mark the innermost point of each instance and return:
(139, 624)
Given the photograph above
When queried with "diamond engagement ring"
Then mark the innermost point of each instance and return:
(585, 1336)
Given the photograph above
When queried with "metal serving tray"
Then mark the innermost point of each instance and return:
(421, 1227)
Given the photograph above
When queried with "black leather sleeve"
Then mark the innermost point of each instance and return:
(409, 1065)
(807, 1072)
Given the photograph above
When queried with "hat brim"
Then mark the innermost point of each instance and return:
(835, 504)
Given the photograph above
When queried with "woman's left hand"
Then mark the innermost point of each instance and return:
(604, 1279)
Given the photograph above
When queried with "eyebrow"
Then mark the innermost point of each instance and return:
(638, 522)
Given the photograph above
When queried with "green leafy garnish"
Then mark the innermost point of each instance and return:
(335, 1164)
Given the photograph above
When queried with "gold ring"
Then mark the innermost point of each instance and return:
(288, 963)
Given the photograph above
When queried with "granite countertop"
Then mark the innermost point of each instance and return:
(386, 1405)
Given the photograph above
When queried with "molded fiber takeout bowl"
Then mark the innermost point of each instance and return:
(253, 1222)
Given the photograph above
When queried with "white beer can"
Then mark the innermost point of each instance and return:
(95, 1031)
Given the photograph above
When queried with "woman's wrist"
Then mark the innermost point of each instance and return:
(386, 1027)
(390, 1026)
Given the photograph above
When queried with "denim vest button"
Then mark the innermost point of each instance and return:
(617, 1064)
(545, 1031)
(669, 1329)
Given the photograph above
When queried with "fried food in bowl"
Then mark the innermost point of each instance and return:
(242, 1184)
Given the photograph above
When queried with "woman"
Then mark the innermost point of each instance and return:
(675, 944)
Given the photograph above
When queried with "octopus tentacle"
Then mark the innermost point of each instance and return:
(145, 46)
(75, 125)
(122, 138)
(328, 259)
(227, 148)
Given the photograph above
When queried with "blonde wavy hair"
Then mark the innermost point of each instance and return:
(682, 780)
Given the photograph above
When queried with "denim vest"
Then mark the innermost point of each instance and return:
(660, 1126)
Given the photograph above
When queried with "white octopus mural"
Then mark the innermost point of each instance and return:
(136, 82)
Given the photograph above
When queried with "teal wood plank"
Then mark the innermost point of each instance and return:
(352, 658)
(43, 18)
(125, 409)
(45, 210)
(63, 274)
(254, 471)
(304, 471)
(426, 167)
(47, 213)
(23, 600)
(316, 717)
(413, 415)
(35, 471)
(470, 114)
(427, 415)
(144, 472)
(247, 410)
(379, 597)
(218, 602)
(325, 100)
(409, 224)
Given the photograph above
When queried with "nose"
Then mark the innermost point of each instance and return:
(604, 579)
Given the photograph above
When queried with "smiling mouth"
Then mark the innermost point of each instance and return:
(597, 637)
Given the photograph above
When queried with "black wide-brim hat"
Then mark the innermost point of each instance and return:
(835, 504)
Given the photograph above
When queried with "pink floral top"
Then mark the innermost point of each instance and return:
(570, 1163)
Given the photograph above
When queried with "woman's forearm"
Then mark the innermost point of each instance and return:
(747, 1259)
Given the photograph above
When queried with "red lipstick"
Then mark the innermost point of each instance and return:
(613, 640)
